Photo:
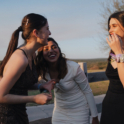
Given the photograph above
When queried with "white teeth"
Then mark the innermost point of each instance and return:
(52, 55)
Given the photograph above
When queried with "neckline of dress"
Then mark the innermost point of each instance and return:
(113, 67)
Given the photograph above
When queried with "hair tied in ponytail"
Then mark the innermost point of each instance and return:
(20, 28)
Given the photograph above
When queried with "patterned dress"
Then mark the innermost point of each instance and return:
(16, 113)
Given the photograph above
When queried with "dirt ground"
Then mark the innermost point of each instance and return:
(42, 121)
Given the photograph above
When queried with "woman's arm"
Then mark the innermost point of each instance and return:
(114, 42)
(15, 67)
(82, 82)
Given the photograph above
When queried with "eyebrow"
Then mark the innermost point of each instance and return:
(45, 46)
(114, 24)
(51, 46)
(54, 45)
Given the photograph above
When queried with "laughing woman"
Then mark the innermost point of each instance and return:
(18, 72)
(73, 96)
(113, 103)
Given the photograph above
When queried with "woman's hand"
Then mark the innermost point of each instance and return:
(48, 85)
(115, 43)
(95, 120)
(42, 98)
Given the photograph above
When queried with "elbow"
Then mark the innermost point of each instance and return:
(2, 99)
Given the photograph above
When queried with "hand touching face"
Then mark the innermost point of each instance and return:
(116, 31)
(115, 43)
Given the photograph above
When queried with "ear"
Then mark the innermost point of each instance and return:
(35, 32)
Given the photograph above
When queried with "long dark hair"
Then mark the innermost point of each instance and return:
(120, 17)
(29, 22)
(42, 66)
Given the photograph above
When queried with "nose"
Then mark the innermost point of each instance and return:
(50, 50)
(110, 30)
(49, 32)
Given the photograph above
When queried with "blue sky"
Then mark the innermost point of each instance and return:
(74, 24)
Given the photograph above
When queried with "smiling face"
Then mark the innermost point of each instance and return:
(43, 34)
(116, 27)
(51, 52)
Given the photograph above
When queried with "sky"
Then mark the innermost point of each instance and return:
(74, 24)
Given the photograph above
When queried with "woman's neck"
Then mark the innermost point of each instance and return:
(53, 66)
(30, 48)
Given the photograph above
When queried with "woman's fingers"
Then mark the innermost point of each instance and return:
(49, 97)
(110, 38)
(113, 38)
(53, 81)
(116, 37)
(50, 91)
(108, 41)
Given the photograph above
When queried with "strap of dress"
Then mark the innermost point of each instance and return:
(23, 52)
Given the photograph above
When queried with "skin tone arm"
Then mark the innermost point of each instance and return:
(115, 45)
(15, 67)
(47, 85)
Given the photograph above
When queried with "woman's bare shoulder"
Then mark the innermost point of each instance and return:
(17, 59)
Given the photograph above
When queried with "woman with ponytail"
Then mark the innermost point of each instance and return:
(113, 103)
(18, 73)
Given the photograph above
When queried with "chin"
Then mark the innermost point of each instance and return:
(52, 61)
(45, 43)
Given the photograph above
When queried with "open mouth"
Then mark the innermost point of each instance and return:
(52, 56)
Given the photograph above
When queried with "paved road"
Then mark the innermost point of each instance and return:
(42, 121)
(42, 114)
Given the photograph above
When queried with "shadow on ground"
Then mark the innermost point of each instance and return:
(42, 121)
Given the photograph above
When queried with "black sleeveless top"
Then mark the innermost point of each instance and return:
(115, 85)
(16, 113)
(113, 103)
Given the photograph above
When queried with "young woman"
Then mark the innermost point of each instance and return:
(113, 103)
(73, 96)
(18, 73)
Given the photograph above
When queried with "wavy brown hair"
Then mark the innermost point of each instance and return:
(29, 22)
(120, 17)
(42, 66)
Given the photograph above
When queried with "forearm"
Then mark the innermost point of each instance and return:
(92, 104)
(16, 99)
(120, 67)
(36, 86)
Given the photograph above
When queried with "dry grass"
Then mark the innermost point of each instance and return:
(99, 88)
